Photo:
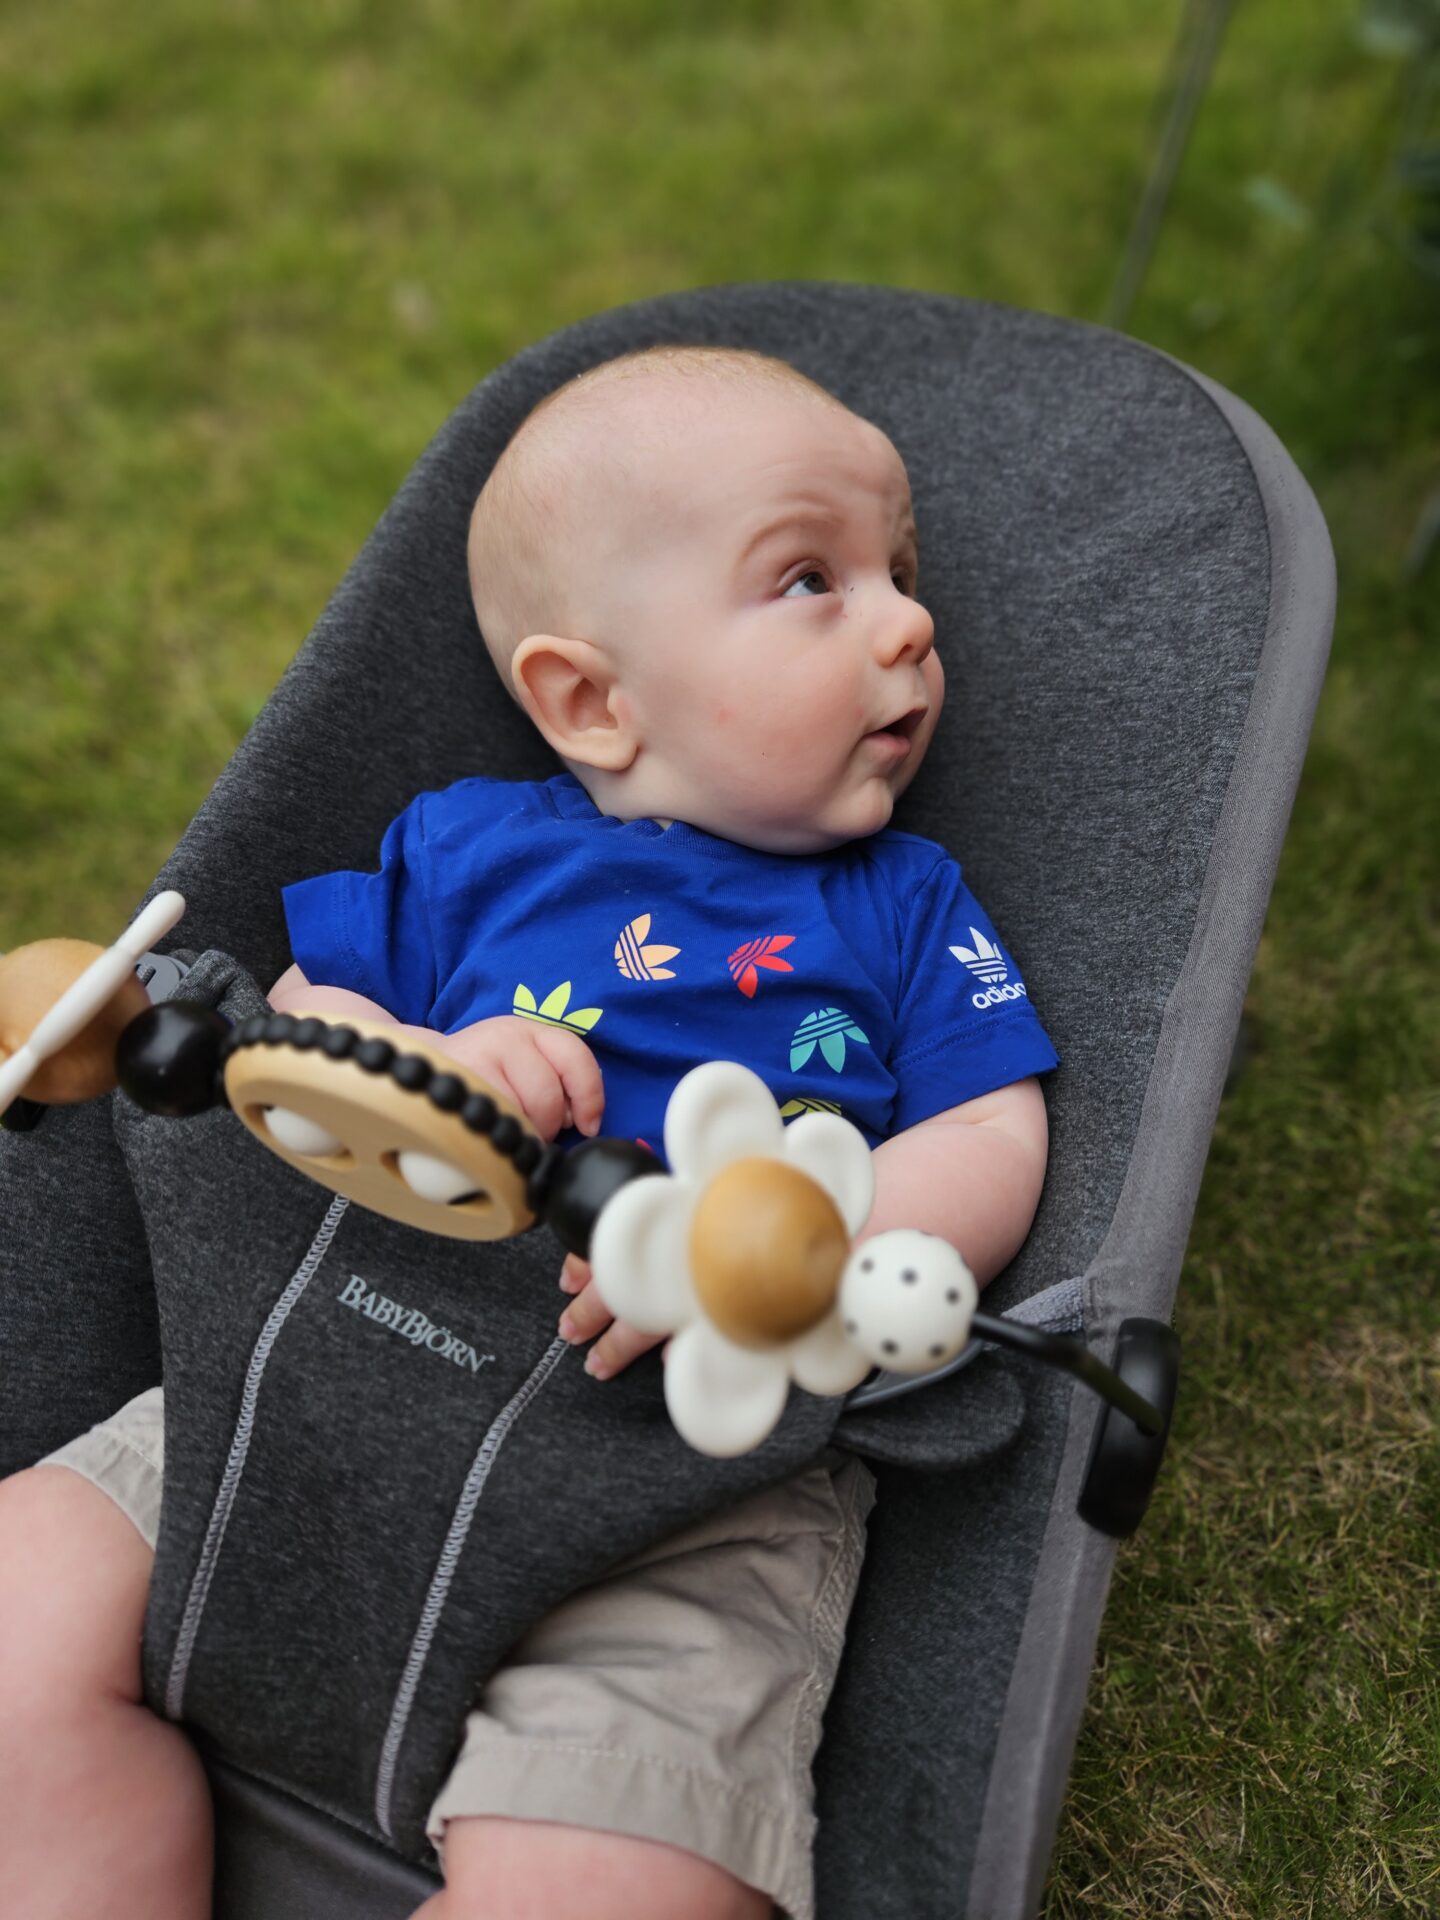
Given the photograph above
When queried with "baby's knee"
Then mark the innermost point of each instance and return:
(497, 1868)
(74, 1577)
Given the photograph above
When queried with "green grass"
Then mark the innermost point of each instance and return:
(254, 256)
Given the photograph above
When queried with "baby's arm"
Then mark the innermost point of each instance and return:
(549, 1072)
(972, 1175)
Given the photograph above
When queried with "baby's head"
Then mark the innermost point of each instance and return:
(696, 572)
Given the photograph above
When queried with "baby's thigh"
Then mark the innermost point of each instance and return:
(657, 1728)
(74, 1577)
(531, 1870)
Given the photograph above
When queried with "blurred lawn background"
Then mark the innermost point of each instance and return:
(253, 257)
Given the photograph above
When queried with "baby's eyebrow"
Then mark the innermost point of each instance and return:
(803, 520)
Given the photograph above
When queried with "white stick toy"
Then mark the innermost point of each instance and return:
(84, 998)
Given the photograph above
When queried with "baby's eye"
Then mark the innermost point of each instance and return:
(809, 583)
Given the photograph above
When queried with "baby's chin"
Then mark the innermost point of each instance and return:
(849, 817)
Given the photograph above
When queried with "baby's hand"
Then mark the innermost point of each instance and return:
(549, 1072)
(588, 1315)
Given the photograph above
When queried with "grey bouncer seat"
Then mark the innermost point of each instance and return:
(1133, 592)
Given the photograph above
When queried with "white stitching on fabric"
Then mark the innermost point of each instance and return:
(239, 1449)
(843, 1560)
(445, 1570)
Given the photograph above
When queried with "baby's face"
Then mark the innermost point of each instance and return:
(757, 583)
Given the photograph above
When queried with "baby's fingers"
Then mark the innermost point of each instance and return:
(622, 1344)
(580, 1075)
(586, 1315)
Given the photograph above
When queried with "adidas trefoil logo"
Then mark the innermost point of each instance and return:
(759, 953)
(827, 1028)
(638, 961)
(986, 962)
(551, 1011)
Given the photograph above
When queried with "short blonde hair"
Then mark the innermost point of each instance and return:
(520, 522)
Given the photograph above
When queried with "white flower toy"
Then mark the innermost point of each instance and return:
(741, 1251)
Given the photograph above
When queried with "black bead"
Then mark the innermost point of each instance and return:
(253, 1029)
(447, 1091)
(587, 1177)
(168, 1057)
(278, 1029)
(537, 1187)
(527, 1154)
(478, 1112)
(411, 1072)
(339, 1043)
(308, 1033)
(374, 1055)
(506, 1133)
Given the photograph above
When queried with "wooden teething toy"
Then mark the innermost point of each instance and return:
(64, 1004)
(427, 1148)
(32, 979)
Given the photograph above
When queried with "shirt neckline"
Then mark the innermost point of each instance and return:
(576, 804)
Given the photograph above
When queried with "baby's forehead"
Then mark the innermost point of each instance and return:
(732, 442)
(652, 407)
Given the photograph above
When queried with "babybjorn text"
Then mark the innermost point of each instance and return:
(411, 1324)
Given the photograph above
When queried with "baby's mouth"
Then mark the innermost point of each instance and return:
(902, 729)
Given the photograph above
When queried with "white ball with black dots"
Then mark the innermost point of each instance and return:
(906, 1299)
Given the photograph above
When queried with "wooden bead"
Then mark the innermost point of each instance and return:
(32, 979)
(767, 1248)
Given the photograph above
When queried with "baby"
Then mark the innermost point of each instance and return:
(696, 572)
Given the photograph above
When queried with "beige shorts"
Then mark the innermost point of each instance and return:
(678, 1699)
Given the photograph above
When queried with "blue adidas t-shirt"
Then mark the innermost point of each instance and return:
(866, 981)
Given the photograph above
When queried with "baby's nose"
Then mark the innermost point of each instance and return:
(909, 628)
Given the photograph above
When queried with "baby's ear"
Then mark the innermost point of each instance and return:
(570, 690)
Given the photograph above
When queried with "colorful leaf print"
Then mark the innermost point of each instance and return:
(551, 1011)
(759, 953)
(639, 962)
(827, 1028)
(804, 1104)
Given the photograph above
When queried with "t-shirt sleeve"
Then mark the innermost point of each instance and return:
(370, 932)
(964, 1024)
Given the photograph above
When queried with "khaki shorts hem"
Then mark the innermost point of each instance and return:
(124, 1457)
(649, 1798)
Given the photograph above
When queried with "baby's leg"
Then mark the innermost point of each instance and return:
(104, 1808)
(644, 1753)
(534, 1870)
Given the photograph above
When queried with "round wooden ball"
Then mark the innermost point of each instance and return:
(32, 979)
(767, 1248)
